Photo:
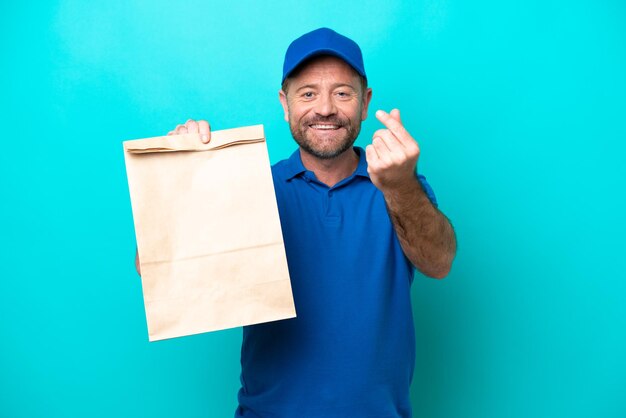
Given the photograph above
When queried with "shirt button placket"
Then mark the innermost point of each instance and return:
(332, 210)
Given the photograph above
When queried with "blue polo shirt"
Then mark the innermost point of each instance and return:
(350, 352)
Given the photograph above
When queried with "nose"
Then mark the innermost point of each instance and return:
(325, 105)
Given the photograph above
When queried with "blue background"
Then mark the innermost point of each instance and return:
(519, 108)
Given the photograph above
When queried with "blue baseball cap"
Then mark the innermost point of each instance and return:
(323, 41)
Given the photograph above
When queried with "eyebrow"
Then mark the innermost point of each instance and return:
(334, 86)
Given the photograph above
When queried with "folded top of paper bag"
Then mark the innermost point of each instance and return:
(192, 142)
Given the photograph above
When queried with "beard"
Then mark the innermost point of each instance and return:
(325, 148)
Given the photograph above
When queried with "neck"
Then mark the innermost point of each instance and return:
(331, 171)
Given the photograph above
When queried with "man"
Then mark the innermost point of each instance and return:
(355, 224)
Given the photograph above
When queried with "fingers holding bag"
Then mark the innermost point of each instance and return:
(201, 127)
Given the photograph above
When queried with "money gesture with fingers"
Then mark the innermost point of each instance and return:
(392, 155)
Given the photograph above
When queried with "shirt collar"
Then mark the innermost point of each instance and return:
(361, 169)
(295, 167)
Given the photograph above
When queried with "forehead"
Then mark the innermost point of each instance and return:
(325, 67)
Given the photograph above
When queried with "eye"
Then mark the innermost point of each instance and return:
(343, 94)
(307, 95)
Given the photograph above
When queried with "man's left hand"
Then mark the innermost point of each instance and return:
(392, 155)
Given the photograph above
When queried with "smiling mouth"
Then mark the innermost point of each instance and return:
(324, 126)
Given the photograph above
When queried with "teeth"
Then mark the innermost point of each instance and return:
(324, 126)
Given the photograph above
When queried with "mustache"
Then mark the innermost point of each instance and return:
(330, 120)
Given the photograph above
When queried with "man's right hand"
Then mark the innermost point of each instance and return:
(201, 127)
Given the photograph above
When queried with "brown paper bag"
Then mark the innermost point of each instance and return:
(208, 233)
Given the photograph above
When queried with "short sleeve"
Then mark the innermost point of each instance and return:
(428, 190)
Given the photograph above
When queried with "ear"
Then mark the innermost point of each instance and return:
(367, 97)
(283, 101)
